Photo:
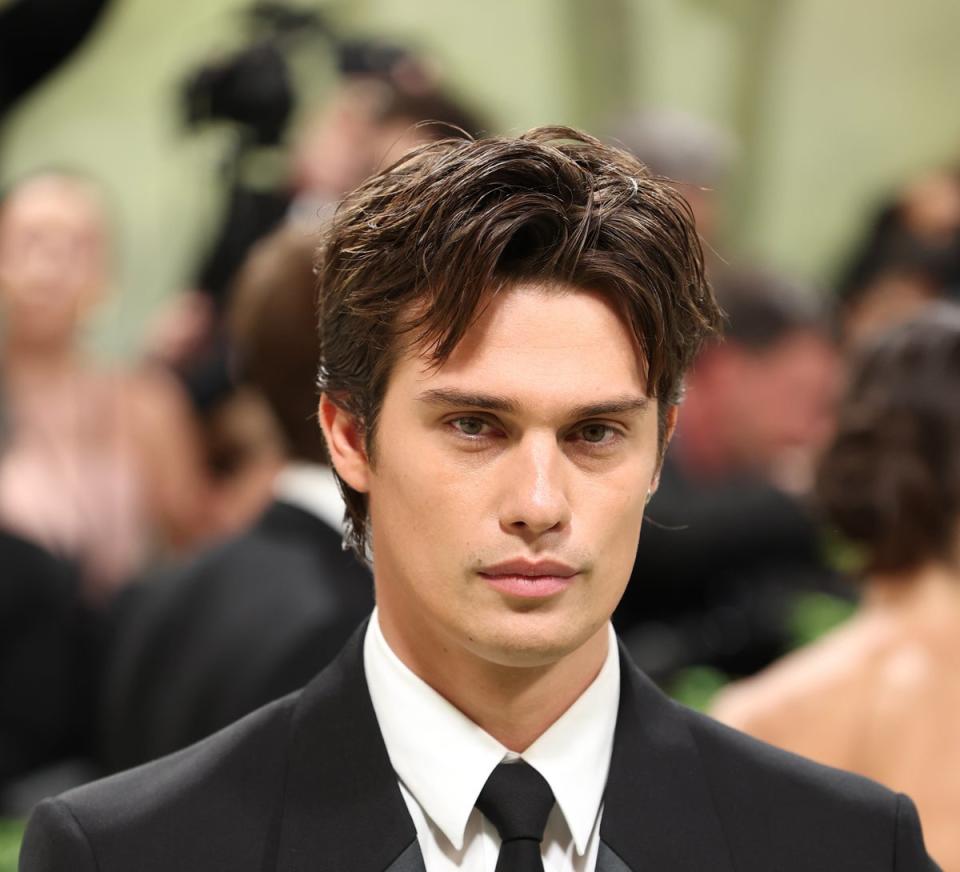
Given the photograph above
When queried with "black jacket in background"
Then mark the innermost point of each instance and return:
(239, 626)
(718, 568)
(48, 660)
(305, 785)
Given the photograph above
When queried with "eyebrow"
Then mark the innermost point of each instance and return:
(497, 403)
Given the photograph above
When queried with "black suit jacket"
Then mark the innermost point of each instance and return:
(208, 642)
(718, 569)
(306, 784)
(48, 660)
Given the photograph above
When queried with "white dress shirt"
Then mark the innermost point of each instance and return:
(443, 759)
(313, 488)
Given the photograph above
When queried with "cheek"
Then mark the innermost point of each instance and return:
(424, 505)
(614, 507)
(613, 533)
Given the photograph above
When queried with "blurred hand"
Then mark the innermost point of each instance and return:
(180, 328)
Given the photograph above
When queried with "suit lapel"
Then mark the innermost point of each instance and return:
(342, 808)
(657, 812)
(608, 861)
(411, 860)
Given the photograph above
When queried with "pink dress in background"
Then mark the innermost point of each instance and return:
(71, 477)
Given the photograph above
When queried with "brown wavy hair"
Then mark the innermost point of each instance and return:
(890, 481)
(272, 309)
(415, 252)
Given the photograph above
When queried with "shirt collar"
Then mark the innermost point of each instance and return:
(574, 753)
(444, 759)
(311, 487)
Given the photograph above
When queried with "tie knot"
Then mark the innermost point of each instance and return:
(517, 800)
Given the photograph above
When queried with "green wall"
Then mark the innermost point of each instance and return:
(835, 103)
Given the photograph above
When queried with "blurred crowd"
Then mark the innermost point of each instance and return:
(170, 554)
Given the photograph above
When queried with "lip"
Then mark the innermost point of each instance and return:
(529, 578)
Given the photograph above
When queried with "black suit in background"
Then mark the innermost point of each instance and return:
(717, 572)
(306, 784)
(48, 660)
(241, 625)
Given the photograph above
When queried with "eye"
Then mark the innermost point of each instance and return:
(471, 426)
(596, 435)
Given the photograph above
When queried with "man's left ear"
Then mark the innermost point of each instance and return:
(345, 444)
(671, 424)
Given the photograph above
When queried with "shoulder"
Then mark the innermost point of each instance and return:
(255, 561)
(271, 583)
(736, 762)
(786, 703)
(209, 806)
(202, 644)
(773, 807)
(297, 569)
(209, 618)
(32, 576)
(771, 800)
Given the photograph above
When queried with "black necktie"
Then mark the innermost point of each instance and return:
(517, 800)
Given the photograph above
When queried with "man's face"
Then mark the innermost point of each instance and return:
(508, 485)
(783, 401)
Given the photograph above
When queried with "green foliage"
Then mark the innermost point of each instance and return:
(844, 556)
(814, 614)
(811, 615)
(11, 832)
(696, 686)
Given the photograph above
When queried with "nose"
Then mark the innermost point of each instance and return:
(535, 499)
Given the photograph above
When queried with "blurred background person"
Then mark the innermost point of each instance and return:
(729, 541)
(368, 123)
(258, 616)
(881, 694)
(696, 155)
(908, 259)
(100, 465)
(373, 114)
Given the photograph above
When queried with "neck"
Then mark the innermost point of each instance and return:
(514, 704)
(33, 360)
(933, 586)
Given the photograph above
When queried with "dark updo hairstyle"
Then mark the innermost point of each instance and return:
(890, 481)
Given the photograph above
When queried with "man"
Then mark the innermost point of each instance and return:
(504, 328)
(258, 616)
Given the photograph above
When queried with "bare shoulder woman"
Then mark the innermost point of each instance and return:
(881, 694)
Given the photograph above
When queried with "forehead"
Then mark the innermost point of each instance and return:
(539, 343)
(51, 203)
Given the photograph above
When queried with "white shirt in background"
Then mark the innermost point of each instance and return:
(311, 487)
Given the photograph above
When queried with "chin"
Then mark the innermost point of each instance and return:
(528, 639)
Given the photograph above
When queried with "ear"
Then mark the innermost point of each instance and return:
(673, 413)
(345, 444)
